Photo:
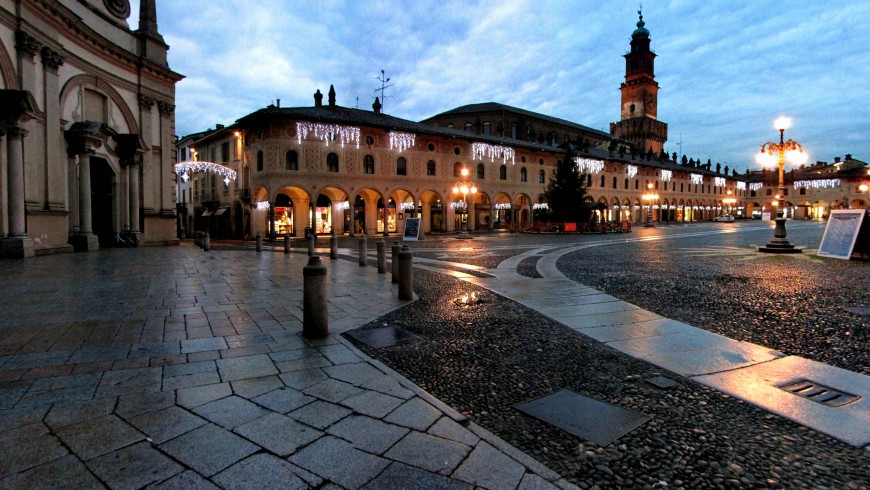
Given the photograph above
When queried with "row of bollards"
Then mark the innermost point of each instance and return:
(315, 318)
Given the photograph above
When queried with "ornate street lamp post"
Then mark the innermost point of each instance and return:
(649, 197)
(778, 152)
(465, 187)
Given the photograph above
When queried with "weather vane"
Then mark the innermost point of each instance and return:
(383, 79)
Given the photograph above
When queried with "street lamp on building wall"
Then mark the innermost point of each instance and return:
(777, 153)
(649, 197)
(465, 188)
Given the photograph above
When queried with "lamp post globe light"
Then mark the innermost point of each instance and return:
(777, 153)
(649, 197)
(465, 188)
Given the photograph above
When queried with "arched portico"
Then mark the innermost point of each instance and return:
(433, 211)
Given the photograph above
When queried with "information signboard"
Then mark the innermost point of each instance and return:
(412, 230)
(841, 233)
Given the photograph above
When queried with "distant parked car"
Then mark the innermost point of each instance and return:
(726, 218)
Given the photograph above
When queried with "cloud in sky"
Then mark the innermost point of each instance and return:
(726, 70)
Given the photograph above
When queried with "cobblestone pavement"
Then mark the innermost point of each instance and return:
(183, 369)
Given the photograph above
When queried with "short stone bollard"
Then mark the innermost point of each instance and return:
(394, 261)
(382, 256)
(286, 243)
(406, 274)
(259, 242)
(206, 242)
(363, 251)
(312, 242)
(315, 318)
(333, 247)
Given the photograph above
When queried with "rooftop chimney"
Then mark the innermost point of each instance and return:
(848, 156)
(331, 97)
(278, 103)
(377, 106)
(836, 159)
(318, 99)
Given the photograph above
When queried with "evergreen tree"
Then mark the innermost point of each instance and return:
(566, 190)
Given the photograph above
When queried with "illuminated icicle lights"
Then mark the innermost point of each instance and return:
(631, 170)
(696, 178)
(588, 165)
(754, 186)
(401, 141)
(719, 182)
(407, 206)
(184, 169)
(817, 184)
(458, 205)
(667, 175)
(540, 205)
(342, 205)
(741, 186)
(479, 151)
(262, 205)
(328, 133)
(502, 205)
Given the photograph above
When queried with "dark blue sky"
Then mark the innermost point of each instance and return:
(726, 70)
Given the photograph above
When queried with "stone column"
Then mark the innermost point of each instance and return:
(55, 171)
(15, 164)
(134, 197)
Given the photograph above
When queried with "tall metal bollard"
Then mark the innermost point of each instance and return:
(406, 274)
(312, 241)
(286, 243)
(259, 242)
(315, 318)
(382, 256)
(394, 261)
(363, 251)
(333, 247)
(206, 242)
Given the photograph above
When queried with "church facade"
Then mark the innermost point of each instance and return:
(86, 127)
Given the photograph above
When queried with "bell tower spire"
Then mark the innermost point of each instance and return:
(639, 122)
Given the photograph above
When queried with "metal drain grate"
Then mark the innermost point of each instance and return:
(819, 393)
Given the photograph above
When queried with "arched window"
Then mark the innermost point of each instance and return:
(602, 181)
(368, 164)
(502, 172)
(457, 169)
(614, 182)
(291, 160)
(487, 128)
(469, 127)
(332, 162)
(401, 166)
(542, 177)
(259, 161)
(523, 175)
(430, 167)
(588, 180)
(451, 125)
(481, 171)
(626, 182)
(635, 184)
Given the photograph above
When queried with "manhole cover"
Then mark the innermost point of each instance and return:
(819, 393)
(383, 337)
(662, 382)
(584, 417)
(858, 310)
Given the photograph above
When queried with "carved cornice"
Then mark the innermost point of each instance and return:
(165, 108)
(26, 45)
(51, 59)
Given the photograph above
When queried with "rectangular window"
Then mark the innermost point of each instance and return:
(225, 151)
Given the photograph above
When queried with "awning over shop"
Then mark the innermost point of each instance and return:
(207, 213)
(220, 211)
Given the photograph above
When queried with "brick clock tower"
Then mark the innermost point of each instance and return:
(638, 124)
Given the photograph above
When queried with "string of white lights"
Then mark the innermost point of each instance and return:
(719, 182)
(741, 186)
(342, 205)
(754, 186)
(667, 175)
(184, 169)
(696, 178)
(502, 205)
(817, 183)
(328, 132)
(401, 141)
(481, 150)
(458, 205)
(631, 170)
(407, 206)
(540, 205)
(588, 165)
(262, 205)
